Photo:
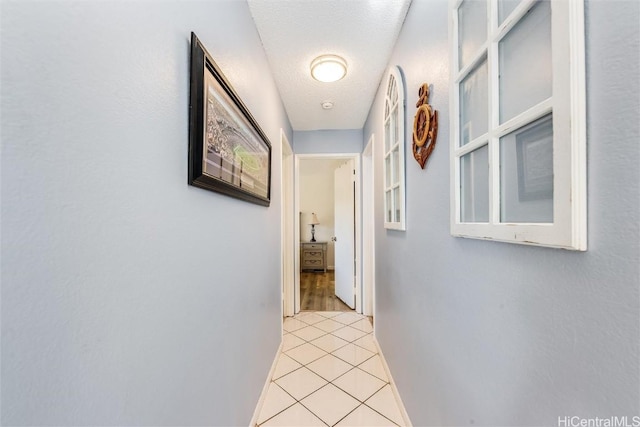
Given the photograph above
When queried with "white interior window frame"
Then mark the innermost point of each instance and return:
(568, 105)
(396, 106)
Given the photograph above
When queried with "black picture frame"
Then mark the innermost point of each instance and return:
(228, 151)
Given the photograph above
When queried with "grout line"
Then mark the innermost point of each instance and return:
(338, 422)
(361, 402)
(278, 413)
(378, 412)
(265, 388)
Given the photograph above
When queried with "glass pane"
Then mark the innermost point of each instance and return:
(525, 63)
(505, 7)
(474, 186)
(394, 126)
(387, 171)
(472, 29)
(388, 205)
(526, 173)
(387, 136)
(394, 92)
(396, 166)
(474, 104)
(396, 198)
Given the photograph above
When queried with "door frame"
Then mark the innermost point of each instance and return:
(368, 229)
(358, 222)
(287, 243)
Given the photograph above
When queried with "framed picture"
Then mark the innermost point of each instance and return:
(534, 150)
(228, 152)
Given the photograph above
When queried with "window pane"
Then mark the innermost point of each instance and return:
(395, 160)
(505, 7)
(387, 136)
(387, 171)
(472, 24)
(474, 186)
(526, 173)
(396, 205)
(474, 104)
(391, 87)
(388, 205)
(525, 63)
(394, 127)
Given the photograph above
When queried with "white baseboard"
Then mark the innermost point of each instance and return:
(331, 267)
(392, 383)
(263, 395)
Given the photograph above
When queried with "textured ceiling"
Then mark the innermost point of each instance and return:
(294, 32)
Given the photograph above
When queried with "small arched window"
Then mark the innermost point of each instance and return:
(394, 179)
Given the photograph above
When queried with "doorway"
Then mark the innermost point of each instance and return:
(287, 226)
(324, 234)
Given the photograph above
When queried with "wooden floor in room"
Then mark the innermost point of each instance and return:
(317, 292)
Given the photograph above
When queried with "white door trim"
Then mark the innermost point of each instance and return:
(287, 226)
(358, 248)
(368, 229)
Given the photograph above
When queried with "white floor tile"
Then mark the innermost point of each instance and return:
(384, 402)
(305, 353)
(309, 333)
(329, 325)
(364, 416)
(329, 314)
(310, 317)
(348, 317)
(290, 324)
(367, 342)
(284, 366)
(329, 343)
(363, 325)
(295, 416)
(329, 367)
(290, 341)
(353, 354)
(301, 383)
(358, 383)
(275, 401)
(330, 404)
(375, 367)
(348, 333)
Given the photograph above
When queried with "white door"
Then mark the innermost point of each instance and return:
(344, 216)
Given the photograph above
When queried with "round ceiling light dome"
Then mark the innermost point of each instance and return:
(328, 68)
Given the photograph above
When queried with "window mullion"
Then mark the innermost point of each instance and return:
(472, 64)
(527, 116)
(493, 64)
(472, 146)
(511, 21)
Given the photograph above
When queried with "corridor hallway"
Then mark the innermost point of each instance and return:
(330, 372)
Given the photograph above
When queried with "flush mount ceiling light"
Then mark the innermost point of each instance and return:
(328, 68)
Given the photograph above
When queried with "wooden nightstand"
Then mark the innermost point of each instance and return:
(313, 256)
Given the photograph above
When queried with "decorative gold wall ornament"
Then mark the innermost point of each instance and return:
(425, 127)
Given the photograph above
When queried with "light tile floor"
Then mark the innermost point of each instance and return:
(329, 374)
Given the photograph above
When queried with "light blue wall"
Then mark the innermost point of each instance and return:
(327, 141)
(495, 334)
(128, 297)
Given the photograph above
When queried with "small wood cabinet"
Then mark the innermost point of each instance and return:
(313, 256)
